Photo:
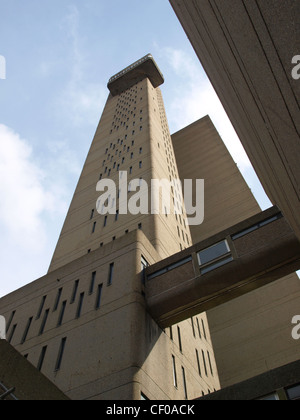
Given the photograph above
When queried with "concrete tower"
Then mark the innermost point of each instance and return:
(133, 142)
(85, 324)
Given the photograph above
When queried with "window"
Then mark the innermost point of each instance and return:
(141, 165)
(41, 307)
(257, 226)
(92, 285)
(75, 289)
(141, 150)
(117, 215)
(42, 358)
(110, 274)
(105, 221)
(11, 336)
(179, 338)
(210, 365)
(198, 363)
(58, 297)
(140, 226)
(204, 362)
(193, 327)
(27, 330)
(184, 383)
(94, 227)
(62, 313)
(198, 325)
(92, 214)
(144, 265)
(99, 295)
(175, 383)
(60, 354)
(204, 331)
(214, 257)
(10, 320)
(171, 333)
(293, 393)
(42, 329)
(80, 304)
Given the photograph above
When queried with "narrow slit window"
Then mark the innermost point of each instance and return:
(204, 363)
(94, 227)
(27, 330)
(179, 338)
(99, 295)
(62, 313)
(110, 274)
(80, 305)
(10, 321)
(175, 383)
(184, 383)
(42, 358)
(11, 336)
(75, 289)
(57, 300)
(41, 307)
(60, 354)
(198, 363)
(92, 284)
(44, 322)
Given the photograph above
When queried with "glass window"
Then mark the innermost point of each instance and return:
(41, 307)
(62, 313)
(110, 274)
(92, 285)
(76, 284)
(99, 295)
(270, 397)
(59, 293)
(294, 393)
(175, 383)
(80, 304)
(213, 252)
(60, 354)
(42, 358)
(42, 329)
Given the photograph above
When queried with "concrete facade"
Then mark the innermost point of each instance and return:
(247, 49)
(85, 324)
(251, 334)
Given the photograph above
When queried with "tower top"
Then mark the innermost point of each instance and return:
(136, 72)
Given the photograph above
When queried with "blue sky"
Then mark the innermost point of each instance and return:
(59, 57)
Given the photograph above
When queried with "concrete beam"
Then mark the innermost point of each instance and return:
(230, 264)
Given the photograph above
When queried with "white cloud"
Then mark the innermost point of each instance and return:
(26, 209)
(23, 198)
